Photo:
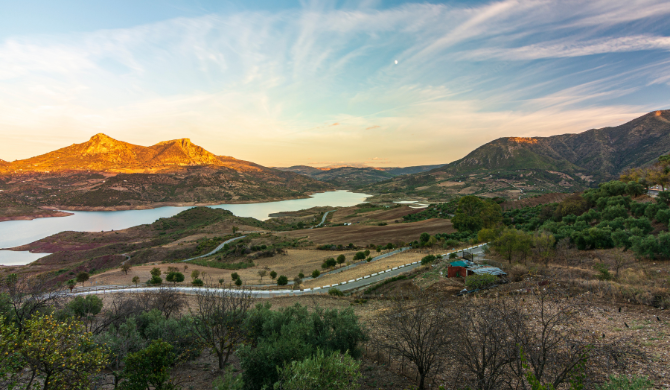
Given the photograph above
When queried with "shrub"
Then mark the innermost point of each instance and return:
(428, 259)
(228, 381)
(282, 280)
(335, 292)
(359, 256)
(451, 243)
(316, 273)
(623, 383)
(235, 276)
(155, 281)
(341, 259)
(83, 307)
(273, 274)
(322, 371)
(238, 282)
(149, 367)
(175, 277)
(198, 282)
(276, 338)
(475, 282)
(453, 255)
(331, 262)
(301, 275)
(604, 270)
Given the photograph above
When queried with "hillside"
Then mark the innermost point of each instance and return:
(355, 177)
(3, 163)
(105, 154)
(515, 166)
(104, 173)
(602, 153)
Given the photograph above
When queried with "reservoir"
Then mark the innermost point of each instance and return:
(15, 233)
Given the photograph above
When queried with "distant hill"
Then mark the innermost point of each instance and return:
(514, 166)
(105, 154)
(111, 174)
(355, 177)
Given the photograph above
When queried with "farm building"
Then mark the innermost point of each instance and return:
(463, 268)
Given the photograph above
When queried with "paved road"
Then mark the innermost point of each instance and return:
(323, 220)
(218, 248)
(350, 285)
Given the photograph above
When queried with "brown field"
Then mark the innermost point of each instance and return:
(345, 214)
(366, 269)
(361, 235)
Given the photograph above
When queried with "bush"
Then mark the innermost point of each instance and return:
(451, 243)
(238, 282)
(428, 259)
(359, 256)
(475, 282)
(453, 255)
(623, 383)
(175, 277)
(276, 338)
(228, 381)
(149, 367)
(235, 276)
(282, 280)
(316, 273)
(198, 282)
(604, 270)
(322, 371)
(155, 281)
(335, 292)
(83, 307)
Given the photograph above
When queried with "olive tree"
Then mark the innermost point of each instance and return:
(218, 320)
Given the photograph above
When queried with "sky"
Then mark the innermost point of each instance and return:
(281, 83)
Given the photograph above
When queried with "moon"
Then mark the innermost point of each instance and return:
(396, 62)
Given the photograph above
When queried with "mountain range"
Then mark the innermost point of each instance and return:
(602, 153)
(512, 166)
(104, 173)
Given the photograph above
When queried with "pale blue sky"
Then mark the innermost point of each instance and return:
(315, 82)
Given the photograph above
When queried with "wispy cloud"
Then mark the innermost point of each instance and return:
(270, 87)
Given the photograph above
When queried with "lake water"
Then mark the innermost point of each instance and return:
(15, 233)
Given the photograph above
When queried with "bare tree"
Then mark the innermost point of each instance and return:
(483, 350)
(218, 320)
(168, 300)
(416, 331)
(29, 296)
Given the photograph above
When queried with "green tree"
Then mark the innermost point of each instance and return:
(71, 284)
(341, 259)
(59, 354)
(282, 280)
(238, 282)
(198, 283)
(195, 274)
(125, 267)
(175, 277)
(136, 280)
(316, 273)
(85, 307)
(332, 371)
(82, 277)
(331, 262)
(155, 271)
(278, 337)
(273, 275)
(262, 273)
(473, 214)
(235, 276)
(150, 368)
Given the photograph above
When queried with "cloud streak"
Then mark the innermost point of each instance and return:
(269, 87)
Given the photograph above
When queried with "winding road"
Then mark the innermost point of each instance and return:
(345, 286)
(218, 248)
